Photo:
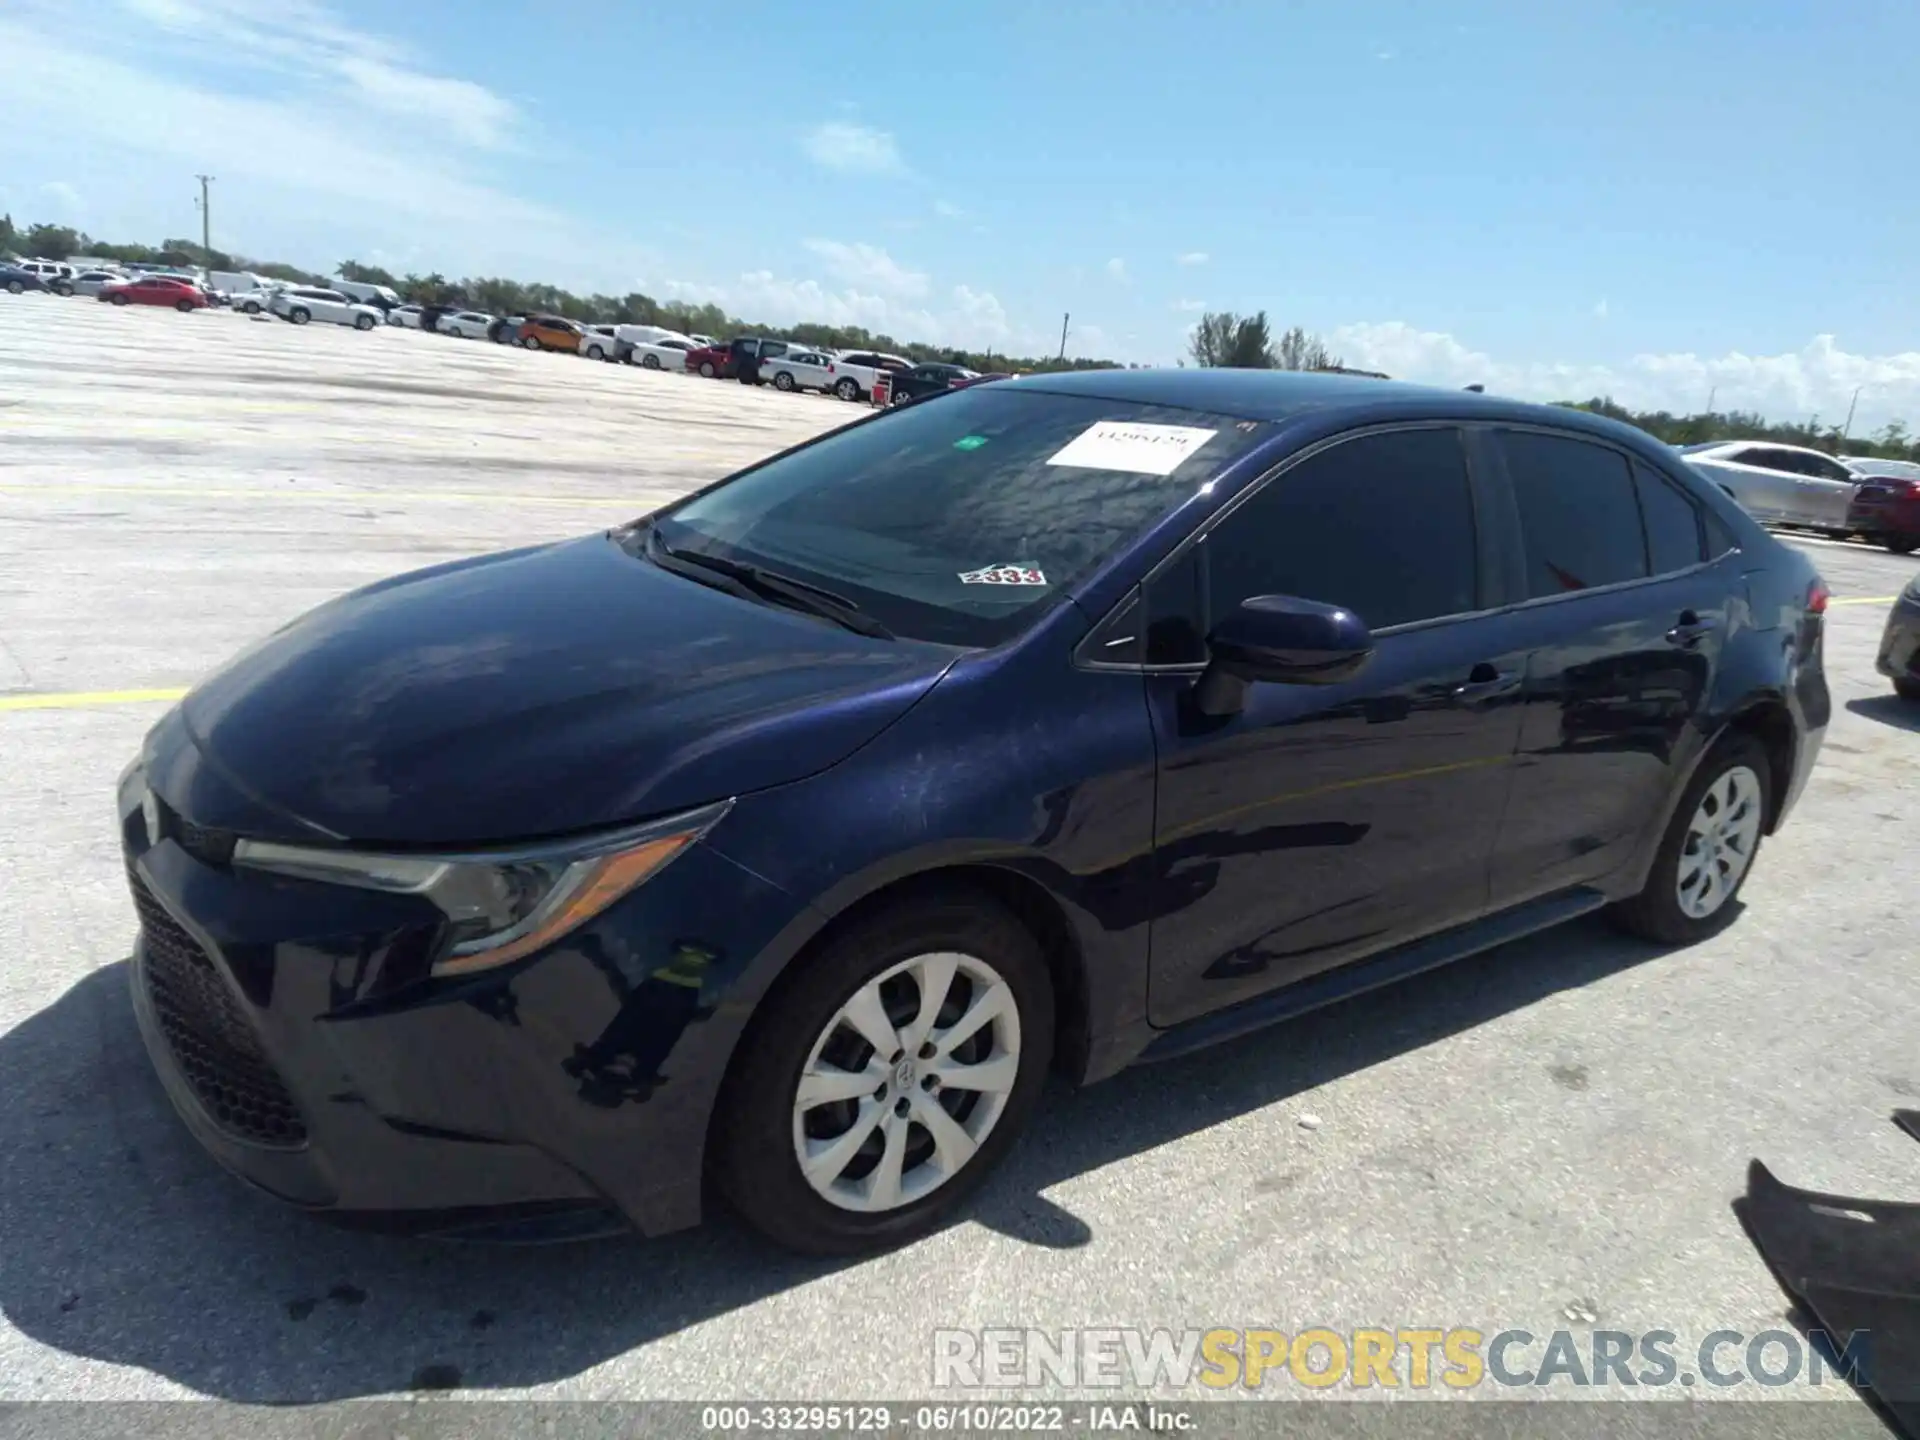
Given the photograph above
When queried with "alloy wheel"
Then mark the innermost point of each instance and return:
(1721, 839)
(906, 1082)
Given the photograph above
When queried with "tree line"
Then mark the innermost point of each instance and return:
(1222, 338)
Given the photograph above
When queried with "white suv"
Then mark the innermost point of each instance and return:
(851, 376)
(300, 304)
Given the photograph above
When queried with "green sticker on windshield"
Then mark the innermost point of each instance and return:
(969, 442)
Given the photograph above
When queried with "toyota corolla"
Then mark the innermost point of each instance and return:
(774, 847)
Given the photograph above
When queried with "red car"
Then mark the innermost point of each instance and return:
(716, 362)
(1886, 507)
(182, 295)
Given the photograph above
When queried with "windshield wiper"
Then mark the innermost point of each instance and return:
(770, 585)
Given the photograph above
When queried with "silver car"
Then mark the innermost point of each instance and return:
(1779, 484)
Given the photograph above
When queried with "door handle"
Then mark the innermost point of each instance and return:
(1484, 682)
(1691, 629)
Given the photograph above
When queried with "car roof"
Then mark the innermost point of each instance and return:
(1284, 395)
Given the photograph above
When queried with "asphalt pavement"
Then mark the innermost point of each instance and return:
(1546, 1137)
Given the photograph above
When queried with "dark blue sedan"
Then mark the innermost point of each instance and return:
(776, 845)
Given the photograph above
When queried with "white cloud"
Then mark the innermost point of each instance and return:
(311, 166)
(860, 264)
(66, 200)
(1117, 269)
(1818, 379)
(1600, 309)
(1192, 257)
(842, 145)
(947, 210)
(1189, 307)
(1383, 54)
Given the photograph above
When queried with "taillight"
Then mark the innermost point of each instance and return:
(830, 369)
(1817, 597)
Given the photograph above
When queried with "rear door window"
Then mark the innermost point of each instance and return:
(1672, 523)
(1579, 517)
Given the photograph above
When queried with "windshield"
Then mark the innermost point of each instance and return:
(1887, 469)
(962, 520)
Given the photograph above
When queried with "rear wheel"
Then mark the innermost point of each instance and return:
(594, 352)
(783, 381)
(363, 322)
(118, 299)
(706, 368)
(888, 1076)
(298, 315)
(848, 389)
(61, 287)
(532, 342)
(1907, 690)
(1904, 545)
(250, 308)
(649, 362)
(1708, 849)
(14, 287)
(185, 307)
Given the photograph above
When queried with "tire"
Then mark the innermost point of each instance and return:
(63, 289)
(706, 368)
(783, 381)
(801, 1027)
(594, 352)
(532, 342)
(250, 309)
(298, 315)
(363, 322)
(117, 300)
(848, 389)
(185, 307)
(649, 362)
(1657, 913)
(1905, 545)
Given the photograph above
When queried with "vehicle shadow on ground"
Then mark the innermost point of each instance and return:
(120, 1241)
(1888, 710)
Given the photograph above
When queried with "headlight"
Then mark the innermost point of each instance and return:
(505, 904)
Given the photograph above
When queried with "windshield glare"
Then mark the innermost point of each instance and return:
(962, 520)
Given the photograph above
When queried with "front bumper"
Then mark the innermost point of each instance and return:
(564, 1095)
(1899, 657)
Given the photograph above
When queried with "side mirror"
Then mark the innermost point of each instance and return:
(1282, 640)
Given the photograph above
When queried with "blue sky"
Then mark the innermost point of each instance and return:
(1656, 201)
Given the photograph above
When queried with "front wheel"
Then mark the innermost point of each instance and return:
(363, 322)
(1908, 690)
(531, 342)
(848, 389)
(706, 368)
(887, 1076)
(118, 299)
(1708, 849)
(649, 362)
(250, 309)
(1904, 545)
(594, 352)
(14, 287)
(783, 381)
(185, 307)
(298, 316)
(63, 289)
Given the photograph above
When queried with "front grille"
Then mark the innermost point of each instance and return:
(212, 1043)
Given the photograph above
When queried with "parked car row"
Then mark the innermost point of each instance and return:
(1841, 496)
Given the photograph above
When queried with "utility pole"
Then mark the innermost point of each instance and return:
(1063, 334)
(1847, 428)
(206, 221)
(1710, 394)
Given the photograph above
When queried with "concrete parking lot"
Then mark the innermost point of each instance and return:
(1547, 1137)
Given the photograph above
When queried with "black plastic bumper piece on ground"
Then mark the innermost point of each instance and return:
(1853, 1266)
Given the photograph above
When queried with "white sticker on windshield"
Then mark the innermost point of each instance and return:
(1138, 449)
(1003, 575)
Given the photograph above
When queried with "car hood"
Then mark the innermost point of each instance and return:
(535, 692)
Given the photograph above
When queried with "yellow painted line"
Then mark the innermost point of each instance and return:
(465, 497)
(87, 699)
(1865, 600)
